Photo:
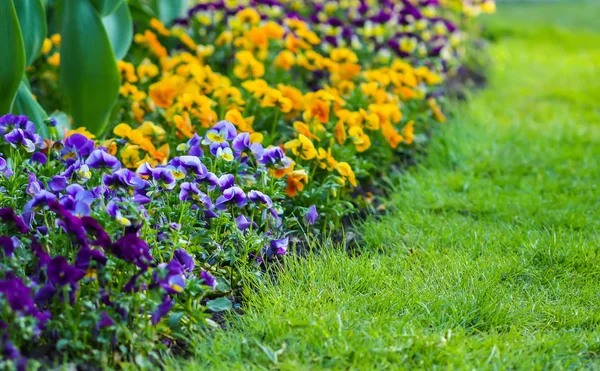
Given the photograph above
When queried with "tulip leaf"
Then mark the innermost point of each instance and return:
(12, 57)
(32, 18)
(168, 10)
(25, 104)
(119, 27)
(105, 7)
(88, 72)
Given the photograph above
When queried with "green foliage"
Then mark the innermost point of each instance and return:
(32, 17)
(12, 58)
(90, 76)
(168, 10)
(25, 104)
(119, 26)
(106, 7)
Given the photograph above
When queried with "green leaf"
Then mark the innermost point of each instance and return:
(168, 10)
(105, 7)
(32, 18)
(88, 70)
(26, 105)
(119, 27)
(63, 126)
(12, 57)
(219, 305)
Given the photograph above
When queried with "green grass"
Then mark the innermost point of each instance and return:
(490, 258)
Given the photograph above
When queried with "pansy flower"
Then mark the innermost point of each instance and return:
(100, 159)
(223, 131)
(232, 195)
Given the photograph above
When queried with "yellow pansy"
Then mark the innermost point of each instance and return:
(347, 173)
(302, 147)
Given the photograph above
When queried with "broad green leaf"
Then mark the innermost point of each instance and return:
(105, 7)
(32, 18)
(12, 56)
(25, 104)
(63, 125)
(219, 305)
(119, 27)
(88, 72)
(168, 10)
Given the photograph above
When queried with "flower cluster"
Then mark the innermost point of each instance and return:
(88, 242)
(243, 123)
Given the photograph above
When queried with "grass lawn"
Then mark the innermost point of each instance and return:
(490, 258)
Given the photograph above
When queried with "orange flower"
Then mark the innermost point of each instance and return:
(319, 109)
(295, 182)
(164, 92)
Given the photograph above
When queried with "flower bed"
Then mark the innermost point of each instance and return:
(243, 123)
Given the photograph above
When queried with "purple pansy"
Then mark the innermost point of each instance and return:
(209, 280)
(100, 159)
(233, 195)
(260, 198)
(311, 215)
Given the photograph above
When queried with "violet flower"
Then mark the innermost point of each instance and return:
(260, 198)
(61, 273)
(133, 250)
(100, 159)
(162, 309)
(226, 181)
(231, 195)
(209, 280)
(8, 216)
(105, 320)
(311, 215)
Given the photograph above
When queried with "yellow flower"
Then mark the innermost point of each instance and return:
(293, 94)
(302, 147)
(244, 124)
(127, 71)
(326, 160)
(318, 109)
(409, 132)
(54, 59)
(339, 132)
(56, 39)
(248, 16)
(159, 27)
(148, 129)
(122, 130)
(391, 135)
(47, 46)
(147, 70)
(347, 173)
(256, 87)
(164, 92)
(343, 55)
(437, 112)
(224, 38)
(130, 156)
(81, 131)
(256, 137)
(285, 60)
(295, 182)
(361, 140)
(184, 125)
(304, 129)
(273, 30)
(247, 66)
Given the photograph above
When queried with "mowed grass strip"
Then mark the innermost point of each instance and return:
(490, 258)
